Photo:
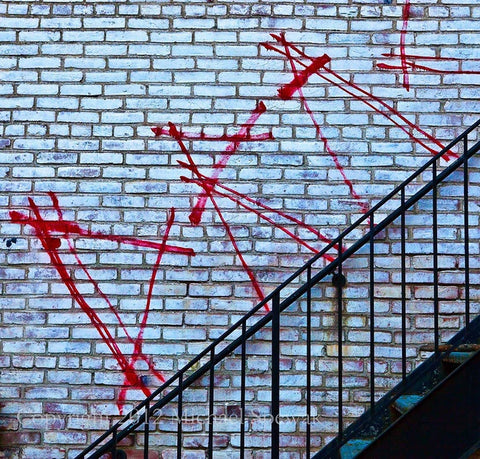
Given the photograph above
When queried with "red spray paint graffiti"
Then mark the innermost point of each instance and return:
(244, 131)
(50, 235)
(209, 185)
(403, 35)
(373, 102)
(410, 62)
(287, 91)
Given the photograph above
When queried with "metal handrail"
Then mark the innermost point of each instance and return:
(344, 254)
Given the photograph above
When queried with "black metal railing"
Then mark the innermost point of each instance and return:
(235, 340)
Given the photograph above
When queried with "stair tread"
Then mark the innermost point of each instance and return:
(405, 403)
(467, 347)
(458, 357)
(354, 447)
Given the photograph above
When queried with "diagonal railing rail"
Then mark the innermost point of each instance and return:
(235, 338)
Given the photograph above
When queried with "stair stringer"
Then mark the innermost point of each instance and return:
(444, 424)
(427, 377)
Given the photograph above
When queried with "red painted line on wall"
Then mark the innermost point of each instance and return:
(431, 58)
(403, 35)
(392, 112)
(333, 155)
(159, 131)
(73, 251)
(300, 79)
(45, 231)
(68, 227)
(280, 213)
(138, 345)
(207, 184)
(265, 217)
(197, 212)
(246, 267)
(413, 66)
(137, 351)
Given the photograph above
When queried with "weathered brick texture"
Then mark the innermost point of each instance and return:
(83, 83)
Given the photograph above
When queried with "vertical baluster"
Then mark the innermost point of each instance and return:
(275, 409)
(180, 417)
(242, 390)
(211, 403)
(404, 286)
(309, 358)
(372, 313)
(114, 446)
(340, 340)
(466, 233)
(435, 256)
(147, 430)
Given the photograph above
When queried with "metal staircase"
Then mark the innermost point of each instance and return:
(434, 412)
(225, 365)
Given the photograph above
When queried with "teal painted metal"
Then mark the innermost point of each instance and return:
(458, 358)
(405, 403)
(353, 448)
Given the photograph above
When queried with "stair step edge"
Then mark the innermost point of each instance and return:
(354, 447)
(467, 347)
(457, 357)
(405, 403)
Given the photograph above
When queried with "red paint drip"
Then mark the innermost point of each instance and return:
(286, 92)
(403, 34)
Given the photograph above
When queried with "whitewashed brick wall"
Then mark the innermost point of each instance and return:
(82, 84)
